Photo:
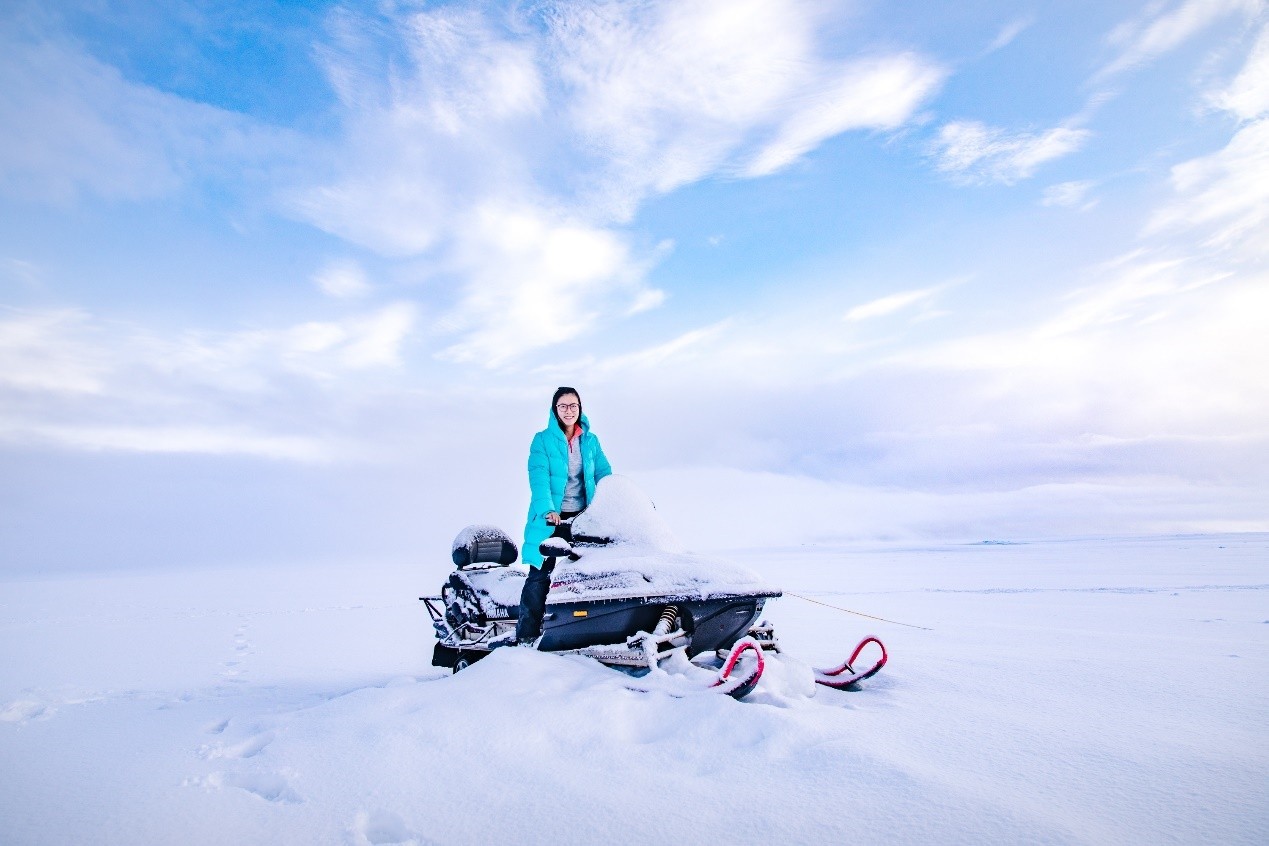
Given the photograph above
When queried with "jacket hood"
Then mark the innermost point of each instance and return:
(553, 425)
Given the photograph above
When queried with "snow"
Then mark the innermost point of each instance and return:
(502, 585)
(1096, 691)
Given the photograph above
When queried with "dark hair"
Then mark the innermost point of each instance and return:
(559, 392)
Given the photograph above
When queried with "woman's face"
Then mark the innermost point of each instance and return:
(569, 408)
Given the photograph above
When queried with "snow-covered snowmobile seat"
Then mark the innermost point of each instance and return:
(480, 547)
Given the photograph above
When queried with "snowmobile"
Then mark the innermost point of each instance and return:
(624, 593)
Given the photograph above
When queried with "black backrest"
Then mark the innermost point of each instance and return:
(483, 545)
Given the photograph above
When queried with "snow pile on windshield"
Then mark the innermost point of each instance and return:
(623, 513)
(644, 558)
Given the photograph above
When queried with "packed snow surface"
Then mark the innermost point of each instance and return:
(1093, 692)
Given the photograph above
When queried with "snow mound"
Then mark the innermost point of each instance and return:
(623, 513)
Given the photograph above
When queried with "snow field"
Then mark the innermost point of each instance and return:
(1102, 691)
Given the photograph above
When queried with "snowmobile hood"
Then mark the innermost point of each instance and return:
(628, 571)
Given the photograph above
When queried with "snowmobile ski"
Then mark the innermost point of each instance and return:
(845, 676)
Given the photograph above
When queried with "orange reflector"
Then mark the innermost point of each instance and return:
(579, 613)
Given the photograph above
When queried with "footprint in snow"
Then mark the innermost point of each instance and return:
(233, 669)
(24, 710)
(248, 748)
(271, 787)
(380, 828)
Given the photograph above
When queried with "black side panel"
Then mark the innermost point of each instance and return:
(447, 656)
(713, 624)
(719, 623)
(444, 656)
(573, 625)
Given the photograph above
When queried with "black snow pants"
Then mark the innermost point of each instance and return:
(537, 586)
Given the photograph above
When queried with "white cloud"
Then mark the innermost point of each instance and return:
(70, 125)
(342, 280)
(1008, 33)
(991, 154)
(1248, 95)
(977, 153)
(73, 380)
(457, 156)
(172, 440)
(1155, 346)
(536, 282)
(674, 352)
(880, 94)
(1158, 32)
(448, 112)
(667, 93)
(890, 304)
(376, 340)
(1224, 195)
(1070, 195)
(26, 273)
(48, 351)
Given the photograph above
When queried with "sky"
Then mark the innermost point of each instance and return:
(288, 282)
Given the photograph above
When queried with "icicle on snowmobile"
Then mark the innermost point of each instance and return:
(623, 592)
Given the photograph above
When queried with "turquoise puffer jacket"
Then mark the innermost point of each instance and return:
(548, 473)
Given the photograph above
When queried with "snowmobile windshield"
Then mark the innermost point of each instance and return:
(621, 513)
(643, 558)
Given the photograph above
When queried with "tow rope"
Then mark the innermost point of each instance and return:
(857, 613)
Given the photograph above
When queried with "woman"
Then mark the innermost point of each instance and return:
(565, 463)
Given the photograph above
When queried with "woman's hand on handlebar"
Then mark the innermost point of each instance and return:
(552, 518)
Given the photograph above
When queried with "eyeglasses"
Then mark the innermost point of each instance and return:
(567, 406)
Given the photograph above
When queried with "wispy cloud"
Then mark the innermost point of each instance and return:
(46, 351)
(1247, 96)
(456, 155)
(534, 282)
(343, 279)
(198, 440)
(71, 125)
(890, 304)
(1070, 195)
(1224, 196)
(70, 379)
(667, 93)
(1009, 32)
(1162, 29)
(881, 94)
(975, 153)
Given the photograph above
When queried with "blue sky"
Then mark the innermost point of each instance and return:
(284, 280)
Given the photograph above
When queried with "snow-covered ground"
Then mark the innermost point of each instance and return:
(1095, 691)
